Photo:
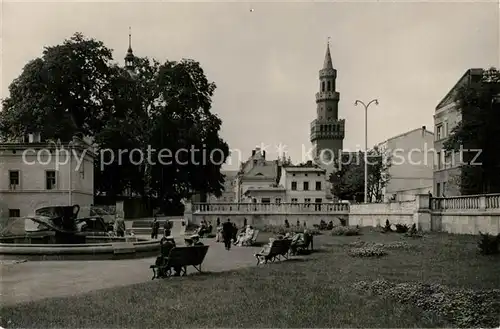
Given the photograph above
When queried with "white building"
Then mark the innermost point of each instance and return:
(297, 184)
(412, 156)
(35, 175)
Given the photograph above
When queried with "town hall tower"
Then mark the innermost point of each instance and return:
(327, 130)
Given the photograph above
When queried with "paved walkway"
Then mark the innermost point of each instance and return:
(23, 282)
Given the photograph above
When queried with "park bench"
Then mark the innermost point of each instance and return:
(180, 257)
(305, 247)
(279, 248)
(252, 240)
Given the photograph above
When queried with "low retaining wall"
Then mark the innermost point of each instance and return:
(459, 215)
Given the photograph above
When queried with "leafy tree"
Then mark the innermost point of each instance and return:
(478, 134)
(348, 180)
(75, 88)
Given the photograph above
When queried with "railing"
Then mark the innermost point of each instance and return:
(270, 207)
(468, 202)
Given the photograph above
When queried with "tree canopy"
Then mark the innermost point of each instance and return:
(348, 180)
(477, 135)
(76, 88)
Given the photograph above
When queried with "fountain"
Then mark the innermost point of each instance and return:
(56, 233)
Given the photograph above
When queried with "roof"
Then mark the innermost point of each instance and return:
(265, 188)
(407, 133)
(303, 169)
(450, 96)
(268, 171)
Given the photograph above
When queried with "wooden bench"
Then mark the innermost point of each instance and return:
(279, 248)
(252, 240)
(180, 257)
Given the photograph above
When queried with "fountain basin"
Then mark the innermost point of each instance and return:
(95, 248)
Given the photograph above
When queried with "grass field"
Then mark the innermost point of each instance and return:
(309, 291)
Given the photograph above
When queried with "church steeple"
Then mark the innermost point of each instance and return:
(129, 58)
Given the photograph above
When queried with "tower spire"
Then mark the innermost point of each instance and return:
(328, 57)
(129, 58)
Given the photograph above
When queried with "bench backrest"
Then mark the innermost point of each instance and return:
(185, 256)
(280, 247)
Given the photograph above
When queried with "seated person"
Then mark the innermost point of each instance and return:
(246, 237)
(196, 240)
(288, 236)
(298, 241)
(202, 229)
(188, 242)
(209, 228)
(266, 249)
(167, 243)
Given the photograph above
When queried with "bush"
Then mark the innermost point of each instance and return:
(357, 244)
(488, 244)
(282, 230)
(413, 233)
(463, 308)
(394, 245)
(402, 228)
(371, 251)
(346, 230)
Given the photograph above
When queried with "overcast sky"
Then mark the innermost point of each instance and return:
(265, 62)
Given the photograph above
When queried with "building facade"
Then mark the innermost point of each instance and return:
(36, 174)
(411, 156)
(447, 171)
(327, 130)
(256, 172)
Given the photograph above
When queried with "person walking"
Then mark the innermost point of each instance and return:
(155, 227)
(167, 228)
(227, 233)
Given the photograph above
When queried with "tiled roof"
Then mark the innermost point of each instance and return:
(269, 171)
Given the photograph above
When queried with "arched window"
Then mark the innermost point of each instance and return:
(329, 86)
(323, 86)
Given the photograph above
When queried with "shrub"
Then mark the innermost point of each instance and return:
(387, 227)
(402, 228)
(371, 251)
(463, 308)
(488, 244)
(346, 230)
(282, 230)
(413, 233)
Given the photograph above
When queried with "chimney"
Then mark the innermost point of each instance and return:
(253, 152)
(423, 131)
(264, 154)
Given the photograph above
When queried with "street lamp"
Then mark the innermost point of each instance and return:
(366, 141)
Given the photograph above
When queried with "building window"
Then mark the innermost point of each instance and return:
(323, 86)
(318, 186)
(294, 186)
(14, 213)
(294, 200)
(254, 162)
(293, 175)
(50, 179)
(307, 202)
(317, 205)
(439, 132)
(330, 109)
(445, 131)
(306, 186)
(278, 200)
(319, 174)
(266, 200)
(444, 190)
(328, 86)
(14, 179)
(438, 190)
(305, 175)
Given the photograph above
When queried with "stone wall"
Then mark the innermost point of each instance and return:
(373, 214)
(460, 215)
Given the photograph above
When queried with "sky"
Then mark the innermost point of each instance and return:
(265, 61)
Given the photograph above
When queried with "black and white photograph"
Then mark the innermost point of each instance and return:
(250, 164)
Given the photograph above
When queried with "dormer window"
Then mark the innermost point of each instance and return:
(254, 161)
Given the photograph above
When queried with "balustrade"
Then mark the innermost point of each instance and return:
(469, 202)
(270, 207)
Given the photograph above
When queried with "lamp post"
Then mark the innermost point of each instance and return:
(366, 141)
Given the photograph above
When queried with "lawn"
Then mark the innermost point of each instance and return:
(307, 291)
